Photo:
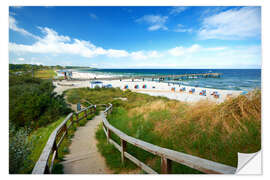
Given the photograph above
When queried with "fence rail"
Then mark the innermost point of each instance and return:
(50, 151)
(44, 165)
(166, 155)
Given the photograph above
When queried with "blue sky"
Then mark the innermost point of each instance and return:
(136, 37)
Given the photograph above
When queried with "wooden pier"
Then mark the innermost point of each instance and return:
(159, 77)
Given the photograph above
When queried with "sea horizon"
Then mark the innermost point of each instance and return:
(231, 79)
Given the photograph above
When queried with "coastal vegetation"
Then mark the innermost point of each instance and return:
(34, 112)
(45, 74)
(212, 131)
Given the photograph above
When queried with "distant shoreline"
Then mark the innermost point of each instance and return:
(152, 88)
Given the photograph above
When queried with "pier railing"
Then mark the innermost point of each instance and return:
(166, 155)
(158, 77)
(45, 163)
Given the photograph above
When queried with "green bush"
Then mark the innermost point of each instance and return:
(33, 103)
(19, 150)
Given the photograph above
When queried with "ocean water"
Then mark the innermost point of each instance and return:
(231, 79)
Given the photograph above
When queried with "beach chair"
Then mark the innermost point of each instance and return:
(183, 89)
(126, 87)
(191, 91)
(136, 86)
(109, 86)
(144, 86)
(173, 89)
(203, 93)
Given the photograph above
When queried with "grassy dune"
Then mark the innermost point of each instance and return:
(45, 74)
(211, 131)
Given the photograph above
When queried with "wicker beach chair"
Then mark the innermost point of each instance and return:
(191, 91)
(183, 89)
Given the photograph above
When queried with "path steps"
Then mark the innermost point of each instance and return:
(84, 157)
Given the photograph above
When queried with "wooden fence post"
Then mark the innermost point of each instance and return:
(47, 169)
(123, 149)
(109, 135)
(66, 129)
(77, 116)
(85, 114)
(55, 149)
(166, 165)
(71, 119)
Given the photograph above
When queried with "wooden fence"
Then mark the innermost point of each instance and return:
(49, 153)
(46, 160)
(166, 155)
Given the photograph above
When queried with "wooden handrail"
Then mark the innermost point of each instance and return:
(166, 155)
(42, 165)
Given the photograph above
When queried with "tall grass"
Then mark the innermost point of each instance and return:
(45, 74)
(208, 130)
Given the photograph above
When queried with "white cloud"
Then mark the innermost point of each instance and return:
(57, 44)
(155, 22)
(154, 54)
(181, 28)
(116, 53)
(177, 10)
(93, 16)
(180, 51)
(13, 25)
(232, 24)
(138, 55)
(53, 45)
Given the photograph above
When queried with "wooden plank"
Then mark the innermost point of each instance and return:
(84, 109)
(41, 164)
(117, 146)
(133, 159)
(105, 131)
(85, 114)
(108, 134)
(61, 139)
(198, 163)
(140, 164)
(123, 149)
(70, 125)
(166, 165)
(53, 157)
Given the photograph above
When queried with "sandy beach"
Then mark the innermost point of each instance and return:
(149, 87)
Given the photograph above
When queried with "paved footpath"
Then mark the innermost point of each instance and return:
(84, 157)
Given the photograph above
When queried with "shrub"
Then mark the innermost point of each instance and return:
(33, 103)
(19, 150)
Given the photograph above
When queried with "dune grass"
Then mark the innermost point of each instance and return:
(208, 130)
(45, 74)
(39, 138)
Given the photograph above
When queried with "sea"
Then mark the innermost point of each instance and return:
(231, 79)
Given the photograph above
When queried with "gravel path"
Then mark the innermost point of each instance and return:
(84, 157)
